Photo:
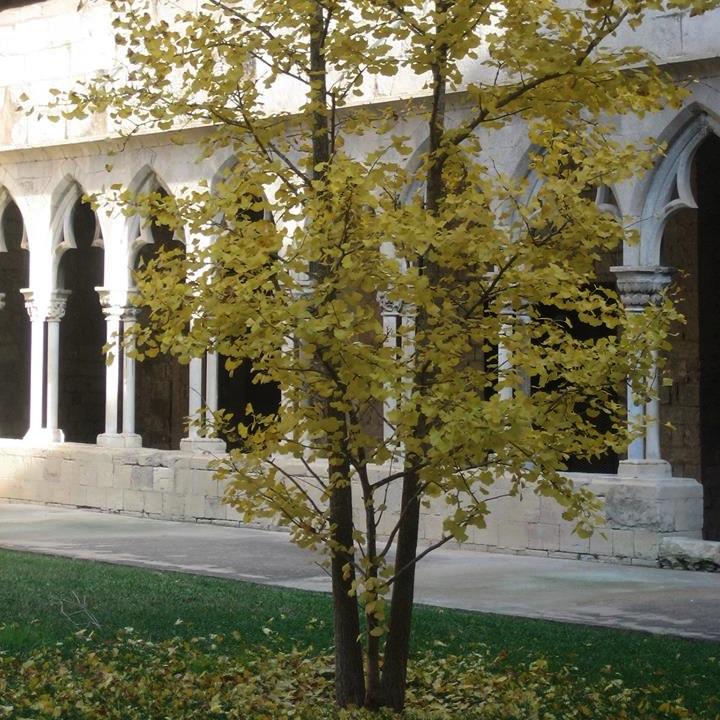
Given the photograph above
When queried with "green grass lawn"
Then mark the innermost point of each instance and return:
(161, 605)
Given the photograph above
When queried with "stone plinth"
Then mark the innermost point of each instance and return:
(684, 553)
(640, 512)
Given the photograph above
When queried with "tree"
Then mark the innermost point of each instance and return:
(479, 270)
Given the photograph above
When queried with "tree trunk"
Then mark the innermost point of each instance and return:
(349, 671)
(373, 690)
(349, 674)
(397, 647)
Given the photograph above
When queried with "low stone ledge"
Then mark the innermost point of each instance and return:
(683, 553)
(176, 485)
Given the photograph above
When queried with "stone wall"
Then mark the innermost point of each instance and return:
(180, 486)
(53, 44)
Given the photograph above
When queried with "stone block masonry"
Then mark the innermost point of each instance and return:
(640, 513)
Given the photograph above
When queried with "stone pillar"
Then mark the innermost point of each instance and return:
(119, 400)
(45, 364)
(212, 370)
(129, 318)
(112, 367)
(37, 364)
(640, 287)
(55, 313)
(504, 357)
(203, 399)
(195, 396)
(392, 318)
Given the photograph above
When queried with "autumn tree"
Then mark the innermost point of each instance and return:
(333, 210)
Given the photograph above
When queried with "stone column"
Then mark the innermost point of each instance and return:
(504, 357)
(195, 397)
(119, 403)
(640, 287)
(129, 318)
(112, 366)
(37, 364)
(392, 318)
(55, 313)
(212, 370)
(203, 399)
(45, 313)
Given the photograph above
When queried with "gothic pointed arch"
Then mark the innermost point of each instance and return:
(668, 188)
(67, 202)
(605, 198)
(14, 321)
(142, 231)
(680, 227)
(79, 258)
(238, 389)
(6, 201)
(162, 383)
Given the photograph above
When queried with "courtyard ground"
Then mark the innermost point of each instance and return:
(630, 597)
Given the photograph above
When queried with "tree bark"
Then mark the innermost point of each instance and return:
(349, 671)
(349, 674)
(397, 647)
(373, 689)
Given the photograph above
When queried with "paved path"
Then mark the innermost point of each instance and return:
(664, 601)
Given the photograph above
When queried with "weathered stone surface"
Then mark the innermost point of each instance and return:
(689, 554)
(153, 483)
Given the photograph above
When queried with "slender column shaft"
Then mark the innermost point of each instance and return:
(128, 418)
(636, 449)
(195, 396)
(37, 365)
(112, 374)
(53, 373)
(392, 318)
(652, 431)
(211, 382)
(504, 358)
(390, 328)
(641, 287)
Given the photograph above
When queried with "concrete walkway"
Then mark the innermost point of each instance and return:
(662, 601)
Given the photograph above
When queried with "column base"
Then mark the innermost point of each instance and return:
(644, 469)
(119, 440)
(44, 436)
(200, 444)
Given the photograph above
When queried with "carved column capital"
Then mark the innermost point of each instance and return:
(112, 302)
(57, 302)
(48, 307)
(388, 305)
(641, 286)
(130, 314)
(33, 309)
(117, 304)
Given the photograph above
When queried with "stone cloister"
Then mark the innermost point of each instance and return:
(79, 432)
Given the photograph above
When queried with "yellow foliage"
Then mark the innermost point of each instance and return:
(468, 257)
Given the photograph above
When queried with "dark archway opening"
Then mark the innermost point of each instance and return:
(14, 328)
(708, 194)
(81, 402)
(162, 382)
(608, 462)
(691, 243)
(239, 389)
